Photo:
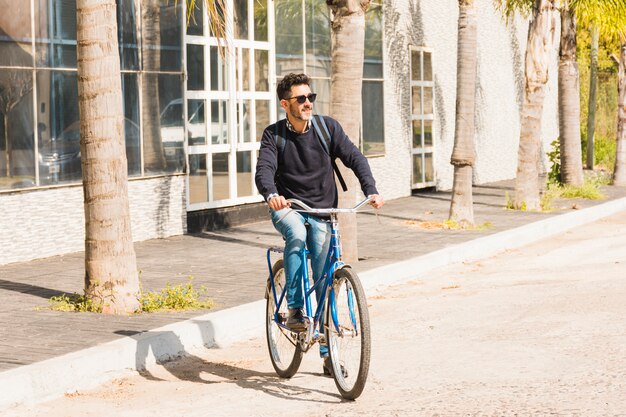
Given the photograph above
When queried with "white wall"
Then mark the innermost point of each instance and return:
(501, 47)
(42, 223)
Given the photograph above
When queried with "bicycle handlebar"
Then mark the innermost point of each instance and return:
(307, 209)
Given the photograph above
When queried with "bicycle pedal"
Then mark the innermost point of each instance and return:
(282, 318)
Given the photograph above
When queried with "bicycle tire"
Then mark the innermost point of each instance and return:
(349, 350)
(285, 352)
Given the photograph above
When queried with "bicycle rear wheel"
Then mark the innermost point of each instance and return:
(285, 352)
(349, 340)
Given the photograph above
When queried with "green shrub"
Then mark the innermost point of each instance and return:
(175, 297)
(170, 298)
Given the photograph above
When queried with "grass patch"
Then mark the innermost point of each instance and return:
(74, 302)
(589, 190)
(171, 298)
(175, 298)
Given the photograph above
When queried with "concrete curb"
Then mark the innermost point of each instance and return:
(91, 367)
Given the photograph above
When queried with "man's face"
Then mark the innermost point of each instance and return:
(298, 111)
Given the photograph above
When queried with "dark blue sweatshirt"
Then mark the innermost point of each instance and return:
(304, 170)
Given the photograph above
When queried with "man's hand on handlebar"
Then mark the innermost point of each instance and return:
(278, 202)
(377, 201)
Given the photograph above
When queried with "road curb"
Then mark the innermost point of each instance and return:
(91, 367)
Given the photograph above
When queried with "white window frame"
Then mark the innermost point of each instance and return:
(430, 116)
(236, 96)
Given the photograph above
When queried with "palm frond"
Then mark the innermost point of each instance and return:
(609, 16)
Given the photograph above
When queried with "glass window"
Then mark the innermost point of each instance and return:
(17, 157)
(317, 38)
(241, 19)
(373, 122)
(373, 56)
(428, 100)
(422, 108)
(322, 88)
(15, 37)
(245, 68)
(56, 33)
(195, 67)
(289, 53)
(428, 167)
(262, 117)
(198, 179)
(416, 98)
(260, 20)
(221, 185)
(418, 170)
(219, 75)
(245, 119)
(162, 35)
(130, 92)
(261, 70)
(127, 35)
(219, 122)
(416, 65)
(244, 174)
(417, 133)
(163, 131)
(428, 133)
(428, 67)
(197, 126)
(57, 105)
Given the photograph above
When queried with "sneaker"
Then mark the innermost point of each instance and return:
(327, 368)
(295, 321)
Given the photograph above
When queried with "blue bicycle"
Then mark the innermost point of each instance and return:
(339, 318)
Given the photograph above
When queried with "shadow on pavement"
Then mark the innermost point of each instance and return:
(29, 289)
(155, 347)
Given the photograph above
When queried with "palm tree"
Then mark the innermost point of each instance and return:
(609, 17)
(540, 43)
(619, 175)
(111, 277)
(347, 48)
(463, 154)
(569, 100)
(593, 96)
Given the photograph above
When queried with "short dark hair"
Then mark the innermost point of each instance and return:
(283, 89)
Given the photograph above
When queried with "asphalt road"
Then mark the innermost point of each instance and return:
(535, 331)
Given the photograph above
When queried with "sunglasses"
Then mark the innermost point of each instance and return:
(302, 99)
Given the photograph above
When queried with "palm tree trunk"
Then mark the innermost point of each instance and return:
(347, 49)
(569, 101)
(463, 154)
(619, 175)
(593, 97)
(111, 277)
(540, 42)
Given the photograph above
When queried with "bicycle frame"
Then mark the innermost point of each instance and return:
(332, 263)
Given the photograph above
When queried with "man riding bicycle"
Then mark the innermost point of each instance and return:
(295, 162)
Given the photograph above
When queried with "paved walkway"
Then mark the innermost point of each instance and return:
(230, 263)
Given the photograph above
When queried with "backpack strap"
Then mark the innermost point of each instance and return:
(324, 137)
(280, 141)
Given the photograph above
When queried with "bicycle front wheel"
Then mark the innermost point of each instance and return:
(348, 333)
(285, 352)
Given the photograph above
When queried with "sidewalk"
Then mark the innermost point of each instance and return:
(44, 353)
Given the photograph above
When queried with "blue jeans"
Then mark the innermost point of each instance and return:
(298, 229)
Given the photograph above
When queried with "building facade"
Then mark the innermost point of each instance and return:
(194, 114)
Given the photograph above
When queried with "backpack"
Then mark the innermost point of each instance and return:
(324, 137)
